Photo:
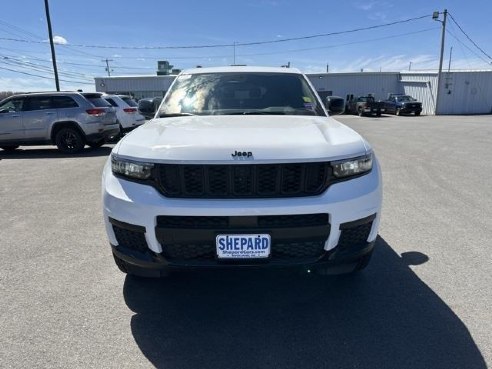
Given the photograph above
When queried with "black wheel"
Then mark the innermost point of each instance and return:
(120, 264)
(397, 112)
(9, 148)
(96, 144)
(417, 113)
(69, 140)
(378, 114)
(360, 112)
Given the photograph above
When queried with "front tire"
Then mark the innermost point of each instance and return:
(360, 112)
(417, 113)
(69, 140)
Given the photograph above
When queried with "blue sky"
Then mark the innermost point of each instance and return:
(157, 23)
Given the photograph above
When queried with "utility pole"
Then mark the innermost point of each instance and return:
(107, 66)
(450, 56)
(435, 16)
(410, 66)
(234, 59)
(50, 34)
(327, 68)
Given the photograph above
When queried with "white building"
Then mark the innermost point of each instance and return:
(462, 92)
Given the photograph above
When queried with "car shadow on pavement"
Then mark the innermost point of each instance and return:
(385, 317)
(53, 153)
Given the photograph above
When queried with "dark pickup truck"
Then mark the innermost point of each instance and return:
(402, 104)
(364, 105)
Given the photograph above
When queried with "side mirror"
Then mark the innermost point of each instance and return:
(335, 105)
(146, 106)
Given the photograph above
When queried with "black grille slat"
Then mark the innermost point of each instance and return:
(169, 177)
(262, 221)
(286, 221)
(181, 242)
(176, 221)
(291, 178)
(190, 252)
(293, 251)
(218, 180)
(268, 179)
(242, 181)
(355, 236)
(315, 177)
(193, 180)
(131, 239)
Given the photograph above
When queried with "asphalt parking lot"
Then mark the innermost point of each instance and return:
(423, 302)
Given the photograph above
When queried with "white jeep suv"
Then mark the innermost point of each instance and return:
(241, 167)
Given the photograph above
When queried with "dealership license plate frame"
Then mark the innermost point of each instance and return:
(243, 253)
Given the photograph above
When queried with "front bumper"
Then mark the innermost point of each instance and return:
(138, 208)
(409, 110)
(105, 132)
(374, 110)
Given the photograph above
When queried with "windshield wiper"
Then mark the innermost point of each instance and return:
(257, 113)
(171, 115)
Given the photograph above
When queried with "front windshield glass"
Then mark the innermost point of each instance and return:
(240, 93)
(406, 98)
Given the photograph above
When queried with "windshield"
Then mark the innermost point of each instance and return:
(129, 101)
(97, 100)
(405, 98)
(240, 93)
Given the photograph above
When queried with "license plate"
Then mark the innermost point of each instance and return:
(243, 246)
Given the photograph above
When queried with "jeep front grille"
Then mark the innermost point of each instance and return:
(243, 181)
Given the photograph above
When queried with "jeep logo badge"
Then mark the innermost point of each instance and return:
(243, 154)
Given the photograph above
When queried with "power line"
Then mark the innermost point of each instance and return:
(40, 68)
(467, 47)
(257, 54)
(228, 45)
(19, 30)
(332, 33)
(339, 45)
(44, 77)
(469, 38)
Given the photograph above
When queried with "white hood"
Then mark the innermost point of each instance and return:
(270, 138)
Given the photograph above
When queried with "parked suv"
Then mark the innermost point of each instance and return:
(70, 120)
(127, 113)
(242, 167)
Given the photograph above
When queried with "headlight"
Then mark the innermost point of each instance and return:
(352, 167)
(131, 169)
